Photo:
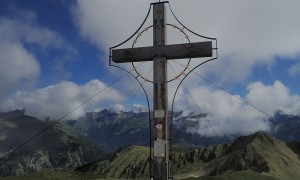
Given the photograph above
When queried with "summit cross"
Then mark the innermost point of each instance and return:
(159, 53)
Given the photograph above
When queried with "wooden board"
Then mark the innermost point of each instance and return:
(175, 51)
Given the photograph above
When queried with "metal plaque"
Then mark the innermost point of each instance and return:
(159, 113)
(159, 148)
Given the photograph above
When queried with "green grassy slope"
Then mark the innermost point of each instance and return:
(283, 161)
(128, 162)
(259, 153)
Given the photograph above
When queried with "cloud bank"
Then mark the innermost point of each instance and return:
(17, 65)
(229, 115)
(57, 100)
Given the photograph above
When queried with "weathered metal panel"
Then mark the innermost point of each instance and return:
(160, 148)
(159, 113)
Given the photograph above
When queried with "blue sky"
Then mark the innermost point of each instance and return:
(54, 55)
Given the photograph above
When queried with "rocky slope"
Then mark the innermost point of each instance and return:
(59, 147)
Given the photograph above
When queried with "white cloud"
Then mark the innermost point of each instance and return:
(19, 66)
(116, 108)
(100, 22)
(136, 108)
(294, 70)
(274, 97)
(229, 115)
(57, 100)
(23, 27)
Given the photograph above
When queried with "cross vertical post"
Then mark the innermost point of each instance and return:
(160, 95)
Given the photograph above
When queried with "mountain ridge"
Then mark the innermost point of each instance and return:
(60, 147)
(246, 154)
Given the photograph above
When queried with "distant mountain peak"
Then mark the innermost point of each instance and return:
(264, 136)
(258, 137)
(12, 114)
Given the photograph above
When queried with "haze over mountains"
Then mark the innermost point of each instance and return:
(83, 144)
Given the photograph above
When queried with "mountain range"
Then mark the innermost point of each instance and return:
(258, 156)
(115, 130)
(78, 144)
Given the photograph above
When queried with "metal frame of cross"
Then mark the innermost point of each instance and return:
(159, 53)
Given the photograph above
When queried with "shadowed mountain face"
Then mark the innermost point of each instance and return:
(113, 130)
(258, 155)
(116, 130)
(286, 127)
(59, 147)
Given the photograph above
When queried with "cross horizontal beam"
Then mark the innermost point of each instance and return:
(174, 51)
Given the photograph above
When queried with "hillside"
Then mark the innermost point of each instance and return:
(59, 147)
(258, 155)
(128, 162)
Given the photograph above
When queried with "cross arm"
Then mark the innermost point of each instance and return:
(175, 51)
